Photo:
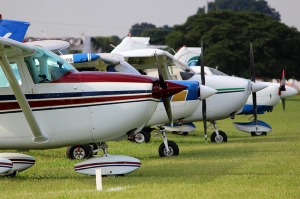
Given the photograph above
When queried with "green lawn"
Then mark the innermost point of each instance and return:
(244, 167)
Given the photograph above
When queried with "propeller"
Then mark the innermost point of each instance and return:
(282, 88)
(201, 60)
(163, 85)
(253, 80)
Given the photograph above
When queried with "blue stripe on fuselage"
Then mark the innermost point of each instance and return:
(73, 94)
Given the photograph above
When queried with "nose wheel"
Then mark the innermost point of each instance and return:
(217, 136)
(167, 148)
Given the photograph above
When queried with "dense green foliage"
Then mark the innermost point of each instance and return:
(157, 35)
(104, 43)
(227, 35)
(243, 5)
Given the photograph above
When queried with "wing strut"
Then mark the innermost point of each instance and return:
(38, 136)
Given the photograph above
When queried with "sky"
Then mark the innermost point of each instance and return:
(74, 18)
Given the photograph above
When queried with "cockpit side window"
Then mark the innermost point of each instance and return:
(3, 80)
(45, 66)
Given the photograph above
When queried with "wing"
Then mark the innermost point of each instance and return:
(50, 44)
(131, 43)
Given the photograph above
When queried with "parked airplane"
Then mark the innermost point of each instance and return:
(183, 104)
(54, 106)
(232, 91)
(189, 94)
(266, 99)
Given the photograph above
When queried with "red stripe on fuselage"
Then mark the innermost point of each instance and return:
(77, 77)
(5, 106)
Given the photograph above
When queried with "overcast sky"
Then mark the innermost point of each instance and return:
(59, 18)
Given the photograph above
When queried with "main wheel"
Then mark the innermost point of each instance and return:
(142, 137)
(258, 133)
(173, 149)
(10, 174)
(180, 132)
(79, 152)
(222, 137)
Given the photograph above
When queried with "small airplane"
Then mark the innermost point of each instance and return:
(232, 94)
(55, 106)
(266, 99)
(183, 103)
(191, 94)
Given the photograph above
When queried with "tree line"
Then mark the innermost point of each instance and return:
(226, 31)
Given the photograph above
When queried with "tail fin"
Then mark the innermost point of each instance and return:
(131, 43)
(188, 55)
(15, 30)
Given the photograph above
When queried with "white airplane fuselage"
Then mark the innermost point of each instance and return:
(89, 118)
(231, 96)
(62, 106)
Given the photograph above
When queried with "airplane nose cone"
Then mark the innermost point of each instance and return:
(257, 86)
(206, 92)
(289, 92)
(172, 88)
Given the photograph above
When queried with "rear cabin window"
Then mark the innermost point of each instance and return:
(3, 80)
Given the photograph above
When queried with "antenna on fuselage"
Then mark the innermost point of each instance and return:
(48, 39)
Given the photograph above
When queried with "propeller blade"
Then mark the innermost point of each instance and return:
(252, 64)
(160, 76)
(254, 107)
(203, 83)
(283, 103)
(282, 83)
(204, 119)
(163, 85)
(202, 65)
(253, 80)
(167, 105)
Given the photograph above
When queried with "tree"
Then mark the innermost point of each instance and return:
(227, 35)
(245, 5)
(104, 43)
(157, 35)
(137, 29)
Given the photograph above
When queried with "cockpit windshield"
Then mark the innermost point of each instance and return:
(124, 67)
(216, 72)
(46, 66)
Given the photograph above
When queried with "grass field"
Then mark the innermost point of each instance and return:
(244, 167)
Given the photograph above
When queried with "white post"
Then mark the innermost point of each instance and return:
(99, 179)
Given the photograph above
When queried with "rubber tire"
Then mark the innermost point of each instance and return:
(85, 150)
(214, 136)
(10, 175)
(182, 133)
(253, 133)
(145, 137)
(173, 147)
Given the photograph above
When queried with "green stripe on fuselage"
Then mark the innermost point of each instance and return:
(229, 90)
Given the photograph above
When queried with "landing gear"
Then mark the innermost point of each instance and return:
(258, 133)
(10, 174)
(171, 151)
(81, 151)
(221, 138)
(142, 137)
(217, 136)
(167, 148)
(184, 133)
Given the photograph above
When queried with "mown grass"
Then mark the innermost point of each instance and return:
(244, 167)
